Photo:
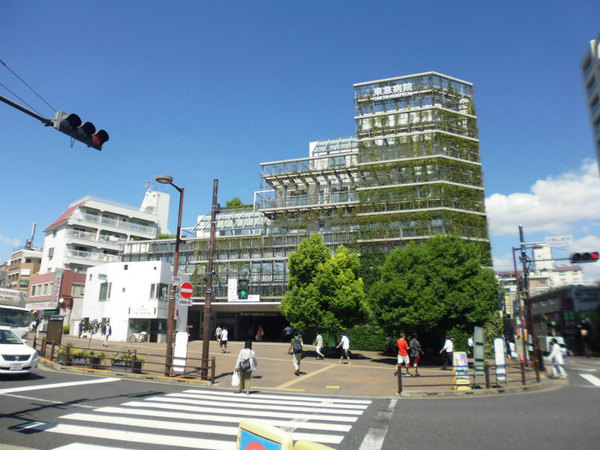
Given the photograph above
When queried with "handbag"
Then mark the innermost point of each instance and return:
(235, 379)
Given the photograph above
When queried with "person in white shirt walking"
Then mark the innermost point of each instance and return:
(448, 351)
(223, 340)
(345, 344)
(246, 354)
(319, 345)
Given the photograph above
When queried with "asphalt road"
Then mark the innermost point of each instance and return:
(43, 412)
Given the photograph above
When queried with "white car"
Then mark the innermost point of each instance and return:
(16, 357)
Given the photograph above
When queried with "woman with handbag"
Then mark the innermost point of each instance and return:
(245, 364)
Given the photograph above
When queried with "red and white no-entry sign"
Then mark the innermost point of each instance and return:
(186, 290)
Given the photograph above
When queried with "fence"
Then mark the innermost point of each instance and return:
(129, 362)
(503, 376)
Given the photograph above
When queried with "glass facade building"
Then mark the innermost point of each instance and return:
(412, 171)
(590, 69)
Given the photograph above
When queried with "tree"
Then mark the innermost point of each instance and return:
(235, 203)
(324, 291)
(439, 283)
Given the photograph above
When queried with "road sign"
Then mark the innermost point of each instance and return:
(186, 290)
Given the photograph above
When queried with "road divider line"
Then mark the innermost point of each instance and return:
(303, 377)
(58, 385)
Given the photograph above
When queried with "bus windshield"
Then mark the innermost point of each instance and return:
(14, 317)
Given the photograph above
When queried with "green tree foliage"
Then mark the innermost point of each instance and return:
(324, 291)
(235, 203)
(439, 283)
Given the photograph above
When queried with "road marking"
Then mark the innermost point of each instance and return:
(268, 401)
(130, 436)
(246, 404)
(324, 400)
(591, 378)
(205, 419)
(222, 409)
(82, 446)
(58, 385)
(303, 377)
(375, 436)
(212, 418)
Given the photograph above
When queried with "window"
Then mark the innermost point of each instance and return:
(50, 253)
(159, 291)
(77, 290)
(104, 291)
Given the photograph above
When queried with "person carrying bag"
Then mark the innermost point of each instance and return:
(244, 366)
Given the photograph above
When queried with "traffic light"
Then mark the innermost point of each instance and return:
(584, 257)
(85, 132)
(242, 289)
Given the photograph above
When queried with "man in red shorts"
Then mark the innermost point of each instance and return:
(415, 352)
(403, 353)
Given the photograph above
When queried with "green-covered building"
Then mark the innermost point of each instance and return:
(412, 171)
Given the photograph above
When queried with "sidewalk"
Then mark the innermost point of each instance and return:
(370, 374)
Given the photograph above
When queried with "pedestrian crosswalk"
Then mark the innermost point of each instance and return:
(206, 419)
(592, 379)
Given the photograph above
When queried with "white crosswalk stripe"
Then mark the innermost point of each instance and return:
(206, 419)
(591, 379)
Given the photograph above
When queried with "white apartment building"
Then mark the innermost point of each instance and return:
(133, 296)
(92, 229)
(590, 68)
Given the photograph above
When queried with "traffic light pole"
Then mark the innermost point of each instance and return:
(209, 283)
(45, 121)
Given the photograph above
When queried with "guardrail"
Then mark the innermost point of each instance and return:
(515, 371)
(120, 361)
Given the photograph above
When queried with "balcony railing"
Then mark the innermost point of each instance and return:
(266, 201)
(123, 225)
(93, 256)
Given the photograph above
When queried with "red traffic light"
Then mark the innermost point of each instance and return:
(71, 125)
(585, 257)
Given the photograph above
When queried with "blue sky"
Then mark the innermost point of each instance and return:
(203, 90)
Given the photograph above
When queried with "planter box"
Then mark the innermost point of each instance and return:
(125, 366)
(95, 362)
(78, 361)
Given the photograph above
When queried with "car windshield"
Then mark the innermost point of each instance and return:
(8, 337)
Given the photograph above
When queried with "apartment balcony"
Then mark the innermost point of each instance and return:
(88, 238)
(117, 225)
(90, 258)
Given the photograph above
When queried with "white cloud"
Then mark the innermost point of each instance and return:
(9, 241)
(554, 205)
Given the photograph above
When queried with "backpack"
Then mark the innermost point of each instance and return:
(297, 346)
(245, 365)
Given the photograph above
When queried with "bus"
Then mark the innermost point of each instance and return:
(13, 314)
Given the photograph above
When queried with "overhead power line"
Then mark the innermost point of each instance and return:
(25, 83)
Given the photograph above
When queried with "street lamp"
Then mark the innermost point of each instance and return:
(167, 179)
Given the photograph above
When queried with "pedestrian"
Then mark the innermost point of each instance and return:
(448, 351)
(403, 358)
(471, 345)
(218, 333)
(80, 328)
(345, 344)
(319, 345)
(259, 334)
(287, 333)
(415, 352)
(245, 365)
(223, 340)
(107, 333)
(296, 347)
(558, 361)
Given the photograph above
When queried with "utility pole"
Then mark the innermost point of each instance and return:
(209, 283)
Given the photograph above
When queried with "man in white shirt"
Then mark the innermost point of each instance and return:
(223, 340)
(449, 351)
(345, 344)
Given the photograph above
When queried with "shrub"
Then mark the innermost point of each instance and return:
(366, 337)
(66, 329)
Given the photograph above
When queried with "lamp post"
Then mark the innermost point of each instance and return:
(167, 179)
